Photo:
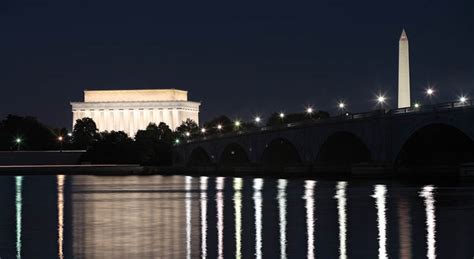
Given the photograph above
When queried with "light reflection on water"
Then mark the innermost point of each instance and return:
(225, 217)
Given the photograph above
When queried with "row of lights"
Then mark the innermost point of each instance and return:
(381, 99)
(60, 140)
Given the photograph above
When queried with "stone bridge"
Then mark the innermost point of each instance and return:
(434, 135)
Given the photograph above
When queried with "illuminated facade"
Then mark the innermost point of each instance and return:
(133, 110)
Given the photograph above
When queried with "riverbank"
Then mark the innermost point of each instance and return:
(337, 172)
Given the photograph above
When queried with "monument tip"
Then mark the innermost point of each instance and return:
(404, 35)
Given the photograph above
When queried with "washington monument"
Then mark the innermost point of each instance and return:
(403, 72)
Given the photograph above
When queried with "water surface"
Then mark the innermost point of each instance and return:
(226, 217)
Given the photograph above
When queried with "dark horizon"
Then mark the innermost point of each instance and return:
(237, 60)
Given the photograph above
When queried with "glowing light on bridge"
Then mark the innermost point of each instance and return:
(381, 99)
(309, 110)
(462, 99)
(341, 105)
(220, 216)
(60, 187)
(19, 207)
(257, 199)
(309, 197)
(188, 201)
(257, 119)
(342, 217)
(238, 184)
(417, 105)
(203, 197)
(380, 192)
(282, 183)
(282, 115)
(430, 91)
(427, 193)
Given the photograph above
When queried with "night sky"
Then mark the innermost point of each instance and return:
(237, 58)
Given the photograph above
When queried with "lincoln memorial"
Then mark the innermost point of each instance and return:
(133, 110)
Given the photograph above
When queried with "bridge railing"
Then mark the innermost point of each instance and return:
(343, 117)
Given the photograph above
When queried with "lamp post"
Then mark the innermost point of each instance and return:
(341, 106)
(381, 100)
(60, 139)
(18, 143)
(430, 93)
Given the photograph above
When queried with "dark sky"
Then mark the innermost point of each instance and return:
(237, 58)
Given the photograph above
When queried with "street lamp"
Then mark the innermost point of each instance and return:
(60, 139)
(203, 130)
(176, 141)
(257, 119)
(187, 134)
(462, 99)
(282, 115)
(237, 124)
(18, 143)
(309, 110)
(381, 100)
(417, 105)
(219, 127)
(341, 106)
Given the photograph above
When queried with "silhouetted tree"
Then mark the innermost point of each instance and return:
(84, 133)
(224, 121)
(33, 134)
(154, 144)
(188, 126)
(112, 147)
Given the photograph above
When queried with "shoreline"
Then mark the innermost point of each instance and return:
(341, 173)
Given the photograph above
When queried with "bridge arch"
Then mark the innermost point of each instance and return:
(234, 154)
(343, 148)
(199, 157)
(436, 144)
(280, 152)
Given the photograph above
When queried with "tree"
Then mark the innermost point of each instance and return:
(84, 133)
(222, 120)
(188, 127)
(112, 147)
(154, 144)
(32, 134)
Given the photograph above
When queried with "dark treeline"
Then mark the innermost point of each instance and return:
(151, 146)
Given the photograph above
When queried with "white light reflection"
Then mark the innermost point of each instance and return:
(342, 217)
(60, 183)
(203, 189)
(220, 216)
(282, 183)
(188, 200)
(380, 192)
(309, 197)
(257, 198)
(238, 184)
(428, 195)
(19, 206)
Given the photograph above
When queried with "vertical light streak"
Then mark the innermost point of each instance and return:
(309, 197)
(19, 205)
(203, 189)
(60, 183)
(220, 216)
(257, 198)
(342, 217)
(238, 184)
(282, 183)
(404, 228)
(428, 195)
(188, 200)
(380, 192)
